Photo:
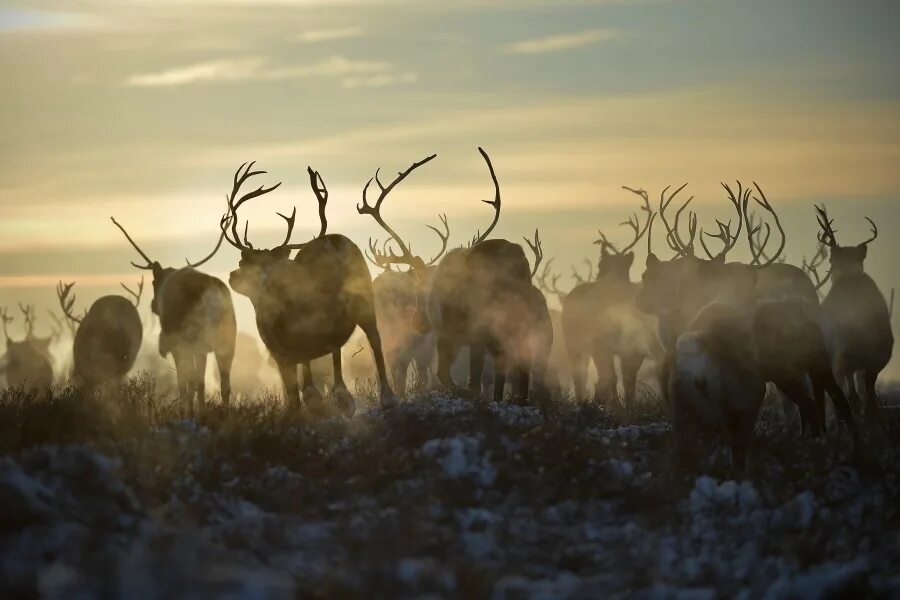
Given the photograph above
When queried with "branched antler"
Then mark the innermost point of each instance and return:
(673, 238)
(4, 316)
(537, 249)
(136, 295)
(552, 287)
(374, 210)
(480, 237)
(67, 302)
(826, 237)
(230, 219)
(590, 273)
(811, 267)
(445, 237)
(763, 202)
(27, 311)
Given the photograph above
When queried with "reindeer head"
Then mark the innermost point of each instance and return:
(844, 260)
(249, 278)
(661, 278)
(160, 273)
(615, 264)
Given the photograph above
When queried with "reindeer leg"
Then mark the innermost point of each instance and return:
(579, 375)
(223, 361)
(870, 376)
(184, 372)
(200, 377)
(447, 348)
(476, 368)
(288, 372)
(370, 328)
(400, 371)
(500, 366)
(312, 398)
(796, 391)
(606, 391)
(631, 364)
(342, 396)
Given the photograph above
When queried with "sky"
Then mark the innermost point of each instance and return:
(143, 109)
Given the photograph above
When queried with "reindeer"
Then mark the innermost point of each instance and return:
(196, 317)
(405, 331)
(507, 316)
(784, 326)
(715, 383)
(856, 316)
(26, 364)
(309, 306)
(482, 297)
(107, 337)
(600, 320)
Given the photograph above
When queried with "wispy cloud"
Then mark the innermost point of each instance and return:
(315, 36)
(257, 69)
(16, 20)
(379, 80)
(561, 42)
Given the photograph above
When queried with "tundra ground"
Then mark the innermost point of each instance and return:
(439, 496)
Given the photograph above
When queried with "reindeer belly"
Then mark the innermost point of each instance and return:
(301, 336)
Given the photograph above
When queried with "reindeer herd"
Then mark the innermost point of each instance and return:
(716, 331)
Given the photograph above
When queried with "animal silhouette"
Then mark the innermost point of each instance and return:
(309, 306)
(107, 338)
(196, 317)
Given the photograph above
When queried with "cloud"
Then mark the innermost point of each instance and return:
(15, 20)
(257, 69)
(379, 80)
(561, 42)
(315, 36)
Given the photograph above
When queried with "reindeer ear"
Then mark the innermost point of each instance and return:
(629, 258)
(283, 252)
(652, 260)
(719, 259)
(863, 250)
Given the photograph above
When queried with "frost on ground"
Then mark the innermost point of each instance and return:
(439, 496)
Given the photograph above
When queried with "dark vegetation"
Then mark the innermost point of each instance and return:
(119, 493)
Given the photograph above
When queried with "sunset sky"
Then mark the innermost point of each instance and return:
(144, 109)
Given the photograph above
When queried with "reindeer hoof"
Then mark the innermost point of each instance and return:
(345, 402)
(314, 403)
(388, 400)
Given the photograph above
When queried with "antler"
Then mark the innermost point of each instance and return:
(140, 290)
(230, 219)
(480, 237)
(739, 202)
(634, 222)
(874, 229)
(4, 315)
(374, 211)
(764, 203)
(150, 263)
(65, 302)
(827, 236)
(28, 313)
(550, 288)
(577, 276)
(811, 267)
(55, 331)
(321, 195)
(672, 236)
(537, 249)
(445, 237)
